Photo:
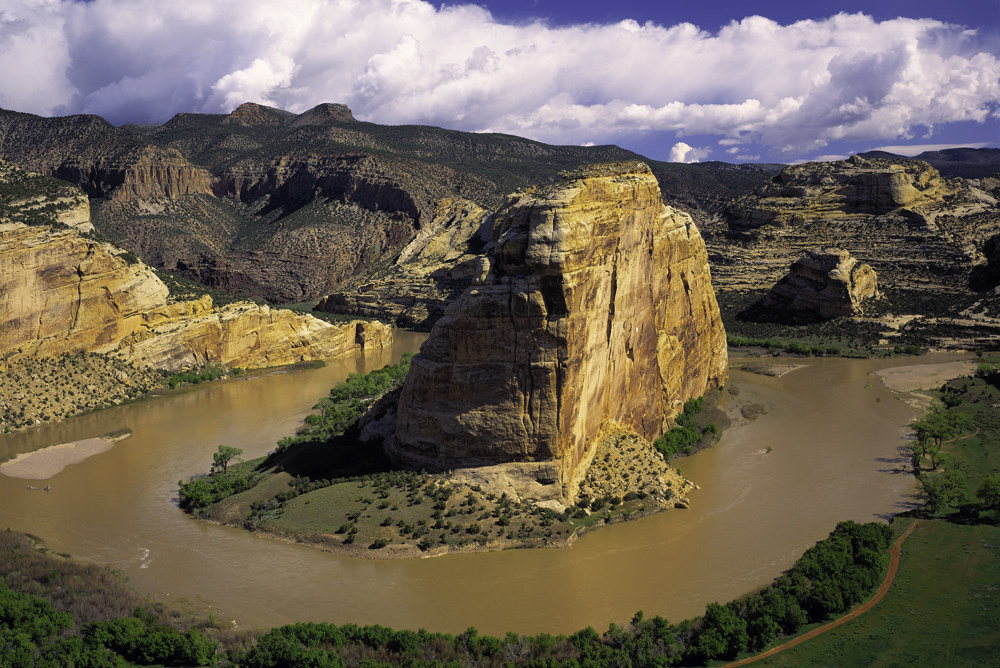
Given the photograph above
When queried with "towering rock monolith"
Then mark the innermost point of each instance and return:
(597, 308)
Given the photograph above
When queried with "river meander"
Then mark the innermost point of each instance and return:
(833, 455)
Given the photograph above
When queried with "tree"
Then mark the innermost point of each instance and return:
(226, 454)
(725, 633)
(932, 432)
(942, 489)
(989, 492)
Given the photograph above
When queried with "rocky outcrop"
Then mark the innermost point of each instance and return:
(61, 293)
(598, 310)
(275, 205)
(429, 274)
(823, 284)
(916, 229)
(856, 186)
(244, 335)
(148, 173)
(33, 199)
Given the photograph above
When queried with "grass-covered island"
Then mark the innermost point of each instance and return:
(329, 488)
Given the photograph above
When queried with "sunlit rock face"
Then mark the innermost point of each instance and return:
(824, 283)
(597, 308)
(63, 293)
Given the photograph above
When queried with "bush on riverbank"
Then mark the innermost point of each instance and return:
(696, 428)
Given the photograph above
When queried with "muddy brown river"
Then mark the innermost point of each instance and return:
(832, 429)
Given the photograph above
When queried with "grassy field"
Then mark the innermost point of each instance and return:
(942, 610)
(404, 513)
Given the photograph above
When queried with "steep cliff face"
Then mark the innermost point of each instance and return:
(243, 200)
(61, 293)
(825, 283)
(598, 308)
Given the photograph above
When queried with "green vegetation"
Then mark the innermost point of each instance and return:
(33, 199)
(322, 447)
(686, 436)
(941, 610)
(56, 612)
(37, 628)
(327, 487)
(195, 377)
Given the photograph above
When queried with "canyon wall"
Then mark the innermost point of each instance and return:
(62, 293)
(597, 308)
(916, 229)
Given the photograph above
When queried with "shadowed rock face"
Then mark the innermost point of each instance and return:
(598, 307)
(825, 283)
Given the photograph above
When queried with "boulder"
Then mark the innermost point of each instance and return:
(598, 309)
(823, 284)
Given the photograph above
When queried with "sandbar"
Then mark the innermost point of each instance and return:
(924, 376)
(47, 462)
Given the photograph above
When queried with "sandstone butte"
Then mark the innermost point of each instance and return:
(915, 228)
(822, 284)
(61, 292)
(597, 311)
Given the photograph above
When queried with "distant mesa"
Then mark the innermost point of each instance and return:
(801, 194)
(825, 283)
(250, 114)
(322, 113)
(595, 309)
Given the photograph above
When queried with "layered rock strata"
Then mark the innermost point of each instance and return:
(597, 310)
(64, 293)
(916, 229)
(823, 284)
(245, 335)
(61, 293)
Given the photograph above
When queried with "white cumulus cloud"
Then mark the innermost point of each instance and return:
(792, 88)
(682, 152)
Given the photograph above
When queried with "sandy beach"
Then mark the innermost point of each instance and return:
(47, 462)
(924, 376)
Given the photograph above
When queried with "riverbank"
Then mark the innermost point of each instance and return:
(38, 390)
(944, 597)
(403, 514)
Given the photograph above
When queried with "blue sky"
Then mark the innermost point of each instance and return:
(733, 81)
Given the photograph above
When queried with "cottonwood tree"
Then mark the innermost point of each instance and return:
(940, 489)
(932, 432)
(989, 492)
(225, 454)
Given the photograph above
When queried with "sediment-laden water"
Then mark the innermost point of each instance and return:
(833, 454)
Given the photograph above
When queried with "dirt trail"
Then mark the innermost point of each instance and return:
(894, 552)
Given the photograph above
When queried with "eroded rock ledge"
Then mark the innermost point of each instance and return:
(822, 284)
(597, 310)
